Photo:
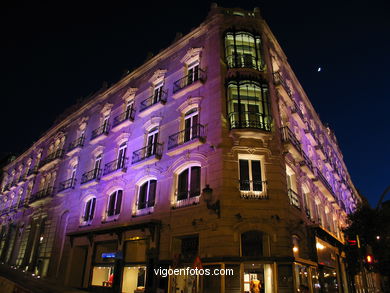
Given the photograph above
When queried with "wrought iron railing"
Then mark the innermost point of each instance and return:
(69, 183)
(189, 79)
(91, 175)
(246, 119)
(41, 194)
(160, 97)
(253, 189)
(103, 129)
(278, 79)
(181, 137)
(289, 136)
(79, 142)
(244, 61)
(154, 149)
(294, 198)
(297, 110)
(118, 164)
(32, 171)
(51, 157)
(22, 178)
(185, 202)
(127, 115)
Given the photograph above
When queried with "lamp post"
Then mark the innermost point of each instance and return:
(207, 193)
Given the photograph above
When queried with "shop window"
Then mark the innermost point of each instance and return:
(257, 278)
(103, 264)
(147, 194)
(302, 278)
(212, 283)
(186, 247)
(134, 279)
(248, 105)
(188, 183)
(252, 243)
(232, 280)
(243, 50)
(89, 210)
(114, 203)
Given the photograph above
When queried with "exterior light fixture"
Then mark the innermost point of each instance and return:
(295, 249)
(207, 193)
(320, 246)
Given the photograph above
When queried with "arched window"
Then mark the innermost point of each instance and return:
(242, 50)
(89, 209)
(114, 203)
(252, 243)
(188, 184)
(248, 105)
(147, 194)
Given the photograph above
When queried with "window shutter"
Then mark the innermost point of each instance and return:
(183, 185)
(195, 182)
(152, 193)
(256, 176)
(92, 210)
(244, 175)
(111, 205)
(142, 196)
(118, 202)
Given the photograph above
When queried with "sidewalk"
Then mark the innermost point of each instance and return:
(15, 281)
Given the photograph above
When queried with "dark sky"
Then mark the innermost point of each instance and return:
(53, 53)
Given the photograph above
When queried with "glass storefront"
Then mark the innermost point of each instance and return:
(102, 276)
(257, 278)
(134, 279)
(103, 267)
(301, 278)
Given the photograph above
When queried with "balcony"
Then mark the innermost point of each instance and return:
(283, 88)
(32, 172)
(292, 143)
(324, 185)
(123, 120)
(91, 177)
(67, 184)
(298, 115)
(14, 183)
(251, 120)
(188, 83)
(22, 179)
(294, 198)
(153, 103)
(186, 202)
(320, 151)
(244, 61)
(253, 189)
(75, 145)
(100, 133)
(51, 159)
(186, 139)
(115, 168)
(147, 155)
(307, 166)
(41, 196)
(310, 134)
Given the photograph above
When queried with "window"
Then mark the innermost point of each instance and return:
(105, 123)
(122, 155)
(114, 203)
(189, 183)
(147, 194)
(242, 50)
(129, 109)
(73, 172)
(248, 105)
(98, 163)
(252, 243)
(191, 125)
(292, 187)
(250, 175)
(152, 142)
(192, 73)
(157, 92)
(89, 210)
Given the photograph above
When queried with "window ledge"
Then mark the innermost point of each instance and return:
(110, 219)
(143, 212)
(249, 195)
(194, 143)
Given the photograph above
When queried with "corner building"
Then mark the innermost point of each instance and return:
(210, 149)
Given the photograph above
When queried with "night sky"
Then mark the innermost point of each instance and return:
(54, 53)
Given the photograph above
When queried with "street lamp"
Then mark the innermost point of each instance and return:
(208, 198)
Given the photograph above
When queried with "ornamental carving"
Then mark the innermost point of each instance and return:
(193, 54)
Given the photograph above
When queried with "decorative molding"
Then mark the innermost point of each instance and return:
(152, 122)
(106, 108)
(129, 94)
(189, 103)
(193, 54)
(157, 76)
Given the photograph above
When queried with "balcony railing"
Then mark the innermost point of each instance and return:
(294, 198)
(253, 189)
(186, 135)
(297, 110)
(278, 79)
(289, 136)
(118, 164)
(103, 129)
(127, 115)
(154, 149)
(94, 174)
(51, 157)
(69, 183)
(246, 119)
(22, 178)
(324, 181)
(32, 171)
(44, 193)
(199, 75)
(76, 143)
(244, 61)
(186, 202)
(161, 97)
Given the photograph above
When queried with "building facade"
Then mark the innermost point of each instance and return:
(210, 150)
